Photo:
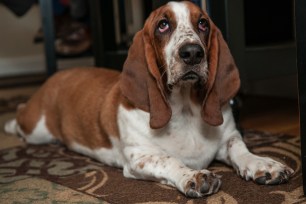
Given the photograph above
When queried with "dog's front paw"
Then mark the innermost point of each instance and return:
(264, 170)
(202, 183)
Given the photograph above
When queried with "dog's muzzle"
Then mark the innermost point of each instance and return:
(191, 75)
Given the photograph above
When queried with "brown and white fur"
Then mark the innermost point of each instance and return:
(165, 118)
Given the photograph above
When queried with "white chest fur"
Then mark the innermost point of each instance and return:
(186, 137)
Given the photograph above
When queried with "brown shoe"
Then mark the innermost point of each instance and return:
(74, 41)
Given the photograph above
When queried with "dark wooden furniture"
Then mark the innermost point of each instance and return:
(104, 46)
(264, 52)
(300, 19)
(49, 38)
(104, 49)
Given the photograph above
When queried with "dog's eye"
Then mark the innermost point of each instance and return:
(163, 26)
(203, 25)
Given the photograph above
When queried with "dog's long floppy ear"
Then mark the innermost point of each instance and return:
(141, 81)
(223, 78)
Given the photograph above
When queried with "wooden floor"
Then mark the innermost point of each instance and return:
(275, 115)
(268, 114)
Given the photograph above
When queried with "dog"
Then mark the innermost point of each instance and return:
(164, 118)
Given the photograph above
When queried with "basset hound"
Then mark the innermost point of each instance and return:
(165, 118)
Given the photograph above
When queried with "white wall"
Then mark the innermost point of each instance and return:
(18, 53)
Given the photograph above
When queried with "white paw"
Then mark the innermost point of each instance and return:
(201, 183)
(11, 126)
(264, 170)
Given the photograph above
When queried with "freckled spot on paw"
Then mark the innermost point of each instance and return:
(274, 174)
(231, 142)
(259, 174)
(200, 177)
(132, 155)
(141, 165)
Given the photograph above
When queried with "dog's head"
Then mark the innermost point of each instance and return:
(179, 44)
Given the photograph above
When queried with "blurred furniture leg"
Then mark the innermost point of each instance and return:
(46, 10)
(97, 34)
(300, 18)
(104, 46)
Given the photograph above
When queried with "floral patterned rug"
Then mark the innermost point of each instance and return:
(53, 174)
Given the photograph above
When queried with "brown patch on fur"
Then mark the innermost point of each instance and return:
(230, 142)
(80, 105)
(29, 114)
(259, 174)
(141, 165)
(109, 112)
(126, 103)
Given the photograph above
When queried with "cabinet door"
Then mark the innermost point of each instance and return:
(300, 12)
(267, 65)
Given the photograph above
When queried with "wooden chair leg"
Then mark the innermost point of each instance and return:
(49, 36)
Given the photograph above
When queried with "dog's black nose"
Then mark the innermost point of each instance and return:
(191, 54)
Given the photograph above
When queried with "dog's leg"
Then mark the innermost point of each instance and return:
(39, 135)
(11, 126)
(32, 130)
(150, 164)
(262, 170)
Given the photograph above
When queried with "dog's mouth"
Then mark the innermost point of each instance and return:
(190, 76)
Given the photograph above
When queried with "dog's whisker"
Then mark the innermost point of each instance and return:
(163, 73)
